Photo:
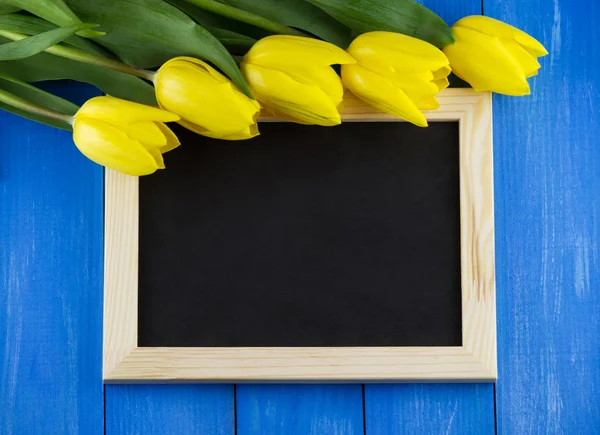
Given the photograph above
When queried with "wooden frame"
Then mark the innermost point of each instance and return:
(475, 360)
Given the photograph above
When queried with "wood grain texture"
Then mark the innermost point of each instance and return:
(474, 361)
(300, 409)
(120, 269)
(50, 280)
(169, 410)
(478, 279)
(429, 409)
(548, 216)
(381, 364)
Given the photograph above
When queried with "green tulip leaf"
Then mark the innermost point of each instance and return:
(8, 9)
(55, 11)
(298, 14)
(401, 16)
(30, 25)
(38, 118)
(35, 44)
(39, 97)
(232, 40)
(147, 33)
(211, 21)
(43, 67)
(221, 8)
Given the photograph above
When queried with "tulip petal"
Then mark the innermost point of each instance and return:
(429, 104)
(442, 84)
(147, 133)
(403, 78)
(192, 62)
(110, 147)
(277, 51)
(417, 91)
(324, 77)
(194, 127)
(122, 112)
(298, 114)
(396, 52)
(493, 27)
(195, 92)
(485, 63)
(442, 73)
(158, 158)
(172, 140)
(381, 93)
(416, 85)
(246, 133)
(282, 95)
(528, 63)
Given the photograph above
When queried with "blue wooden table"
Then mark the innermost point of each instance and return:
(547, 169)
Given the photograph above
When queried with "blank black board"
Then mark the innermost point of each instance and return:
(304, 236)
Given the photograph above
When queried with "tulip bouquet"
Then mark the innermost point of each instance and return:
(213, 65)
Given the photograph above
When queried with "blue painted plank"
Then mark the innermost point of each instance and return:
(299, 409)
(548, 226)
(169, 410)
(429, 409)
(50, 280)
(452, 11)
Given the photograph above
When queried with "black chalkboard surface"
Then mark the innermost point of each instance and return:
(304, 236)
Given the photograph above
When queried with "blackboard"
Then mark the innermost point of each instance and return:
(304, 236)
(357, 253)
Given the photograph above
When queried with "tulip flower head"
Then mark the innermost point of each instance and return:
(292, 78)
(493, 56)
(207, 102)
(125, 136)
(397, 74)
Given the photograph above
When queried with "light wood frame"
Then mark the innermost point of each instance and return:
(475, 360)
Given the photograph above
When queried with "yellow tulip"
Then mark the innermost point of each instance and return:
(397, 74)
(493, 56)
(207, 101)
(292, 78)
(125, 136)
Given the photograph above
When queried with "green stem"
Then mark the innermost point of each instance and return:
(245, 17)
(35, 109)
(84, 57)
